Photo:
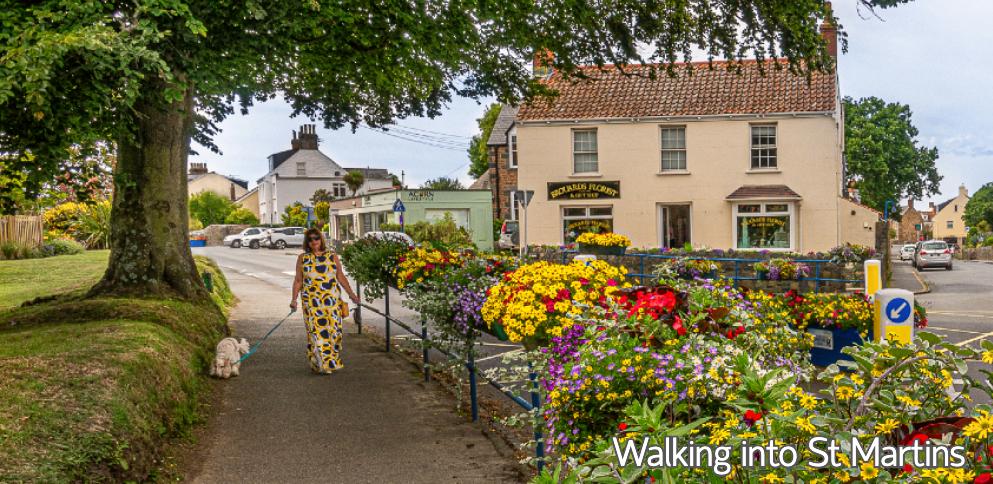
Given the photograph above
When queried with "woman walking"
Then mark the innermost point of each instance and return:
(319, 280)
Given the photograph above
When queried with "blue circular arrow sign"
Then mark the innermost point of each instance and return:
(898, 310)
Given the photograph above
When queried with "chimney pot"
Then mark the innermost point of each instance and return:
(541, 66)
(829, 31)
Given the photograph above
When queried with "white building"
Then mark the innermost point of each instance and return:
(295, 174)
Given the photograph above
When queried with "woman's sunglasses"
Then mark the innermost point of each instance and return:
(314, 239)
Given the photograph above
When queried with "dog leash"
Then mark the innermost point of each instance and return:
(256, 345)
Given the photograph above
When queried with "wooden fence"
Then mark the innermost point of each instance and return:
(26, 229)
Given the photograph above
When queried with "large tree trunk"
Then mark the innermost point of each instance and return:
(149, 247)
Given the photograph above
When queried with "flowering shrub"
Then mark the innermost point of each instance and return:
(534, 302)
(900, 394)
(851, 253)
(608, 239)
(663, 345)
(421, 264)
(685, 268)
(781, 270)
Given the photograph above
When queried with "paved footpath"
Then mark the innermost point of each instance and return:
(373, 421)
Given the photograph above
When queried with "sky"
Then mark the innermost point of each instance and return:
(930, 54)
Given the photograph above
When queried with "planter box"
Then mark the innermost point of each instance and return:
(829, 342)
(601, 250)
(198, 243)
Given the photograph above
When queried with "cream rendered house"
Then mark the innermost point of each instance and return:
(713, 159)
(200, 180)
(947, 222)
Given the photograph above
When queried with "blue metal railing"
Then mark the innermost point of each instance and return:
(643, 277)
(469, 364)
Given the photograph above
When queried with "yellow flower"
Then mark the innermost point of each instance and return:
(868, 471)
(981, 428)
(807, 401)
(771, 478)
(719, 436)
(988, 357)
(886, 426)
(803, 423)
(844, 392)
(842, 476)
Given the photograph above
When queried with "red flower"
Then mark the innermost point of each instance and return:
(584, 281)
(611, 282)
(984, 478)
(622, 426)
(562, 295)
(678, 326)
(752, 416)
(550, 306)
(908, 469)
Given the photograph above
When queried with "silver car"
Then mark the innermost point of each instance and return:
(234, 240)
(907, 252)
(932, 253)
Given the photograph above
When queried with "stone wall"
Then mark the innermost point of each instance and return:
(726, 268)
(978, 253)
(216, 233)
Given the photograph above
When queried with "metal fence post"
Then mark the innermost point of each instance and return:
(539, 446)
(473, 397)
(643, 275)
(386, 302)
(737, 273)
(358, 306)
(424, 342)
(817, 277)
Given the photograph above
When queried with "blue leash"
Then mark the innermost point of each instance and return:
(256, 345)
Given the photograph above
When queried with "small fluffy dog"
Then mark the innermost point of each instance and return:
(229, 351)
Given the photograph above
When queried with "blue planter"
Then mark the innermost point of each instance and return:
(198, 243)
(829, 342)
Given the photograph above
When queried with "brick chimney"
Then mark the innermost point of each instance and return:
(541, 65)
(910, 203)
(295, 142)
(963, 191)
(308, 137)
(198, 168)
(830, 32)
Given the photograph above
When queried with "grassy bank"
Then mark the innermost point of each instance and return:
(90, 389)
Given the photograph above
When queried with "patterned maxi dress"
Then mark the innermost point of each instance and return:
(322, 312)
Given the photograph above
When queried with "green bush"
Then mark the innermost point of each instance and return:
(92, 226)
(241, 216)
(371, 263)
(442, 234)
(294, 215)
(210, 208)
(61, 247)
(13, 250)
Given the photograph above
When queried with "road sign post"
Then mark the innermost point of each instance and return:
(399, 208)
(893, 315)
(524, 197)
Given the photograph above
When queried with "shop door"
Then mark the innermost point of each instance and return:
(674, 226)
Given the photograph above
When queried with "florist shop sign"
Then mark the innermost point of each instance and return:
(583, 190)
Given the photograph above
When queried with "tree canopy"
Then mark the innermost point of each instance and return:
(980, 207)
(442, 183)
(354, 179)
(478, 156)
(152, 75)
(882, 153)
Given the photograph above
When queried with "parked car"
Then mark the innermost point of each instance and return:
(400, 236)
(234, 240)
(254, 241)
(932, 253)
(283, 237)
(907, 252)
(510, 236)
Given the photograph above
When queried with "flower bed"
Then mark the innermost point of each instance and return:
(780, 270)
(538, 301)
(603, 244)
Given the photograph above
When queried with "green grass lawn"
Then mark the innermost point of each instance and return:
(93, 388)
(24, 280)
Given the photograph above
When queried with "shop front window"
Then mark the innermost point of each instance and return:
(346, 230)
(579, 220)
(764, 226)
